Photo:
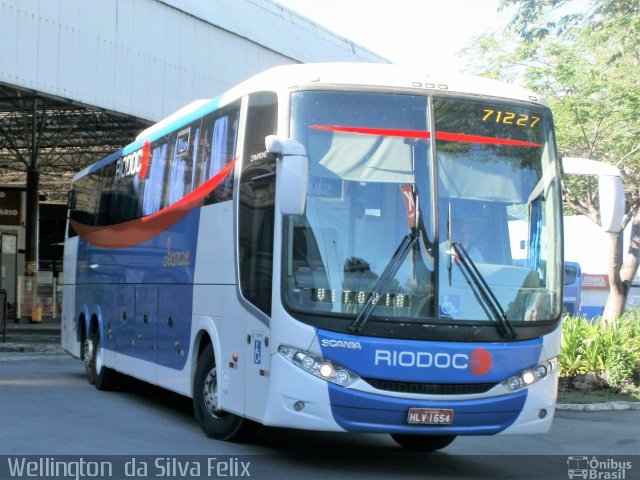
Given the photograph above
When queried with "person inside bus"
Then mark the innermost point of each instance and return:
(465, 234)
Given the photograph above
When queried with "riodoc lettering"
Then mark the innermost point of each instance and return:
(129, 165)
(478, 361)
(421, 359)
(135, 163)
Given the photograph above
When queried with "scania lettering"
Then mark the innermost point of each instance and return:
(341, 344)
(327, 247)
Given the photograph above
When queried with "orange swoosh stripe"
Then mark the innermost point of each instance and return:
(134, 232)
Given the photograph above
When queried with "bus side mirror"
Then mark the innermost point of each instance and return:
(292, 170)
(610, 190)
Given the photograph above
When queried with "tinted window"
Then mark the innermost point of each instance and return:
(179, 162)
(257, 199)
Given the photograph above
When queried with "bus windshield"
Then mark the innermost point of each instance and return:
(396, 181)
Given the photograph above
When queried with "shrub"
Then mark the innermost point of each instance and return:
(575, 332)
(609, 350)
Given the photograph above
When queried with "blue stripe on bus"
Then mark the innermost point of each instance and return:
(429, 362)
(154, 278)
(426, 362)
(357, 411)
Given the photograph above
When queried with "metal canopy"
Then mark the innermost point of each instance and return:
(56, 137)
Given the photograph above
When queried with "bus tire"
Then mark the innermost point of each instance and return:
(216, 423)
(103, 378)
(426, 443)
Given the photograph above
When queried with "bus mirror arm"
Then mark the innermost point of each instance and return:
(291, 174)
(610, 189)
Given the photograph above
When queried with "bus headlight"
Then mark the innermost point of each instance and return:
(528, 377)
(318, 366)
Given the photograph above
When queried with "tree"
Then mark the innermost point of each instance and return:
(587, 64)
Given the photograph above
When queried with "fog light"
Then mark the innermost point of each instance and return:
(542, 413)
(298, 406)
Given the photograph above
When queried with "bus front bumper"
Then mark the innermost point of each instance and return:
(299, 400)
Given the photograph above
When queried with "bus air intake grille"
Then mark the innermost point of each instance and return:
(430, 388)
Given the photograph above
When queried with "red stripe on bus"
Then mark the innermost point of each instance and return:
(445, 136)
(134, 232)
(376, 131)
(460, 137)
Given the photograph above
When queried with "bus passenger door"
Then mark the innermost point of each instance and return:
(256, 216)
(146, 331)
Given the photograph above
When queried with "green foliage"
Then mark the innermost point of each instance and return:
(575, 332)
(584, 57)
(610, 350)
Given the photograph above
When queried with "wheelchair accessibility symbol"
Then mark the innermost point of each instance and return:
(257, 352)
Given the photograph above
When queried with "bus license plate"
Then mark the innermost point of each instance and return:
(430, 416)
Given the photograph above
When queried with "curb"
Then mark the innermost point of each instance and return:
(598, 407)
(45, 348)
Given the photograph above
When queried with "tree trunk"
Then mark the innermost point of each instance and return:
(621, 273)
(617, 298)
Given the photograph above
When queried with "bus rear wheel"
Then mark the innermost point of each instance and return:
(97, 374)
(426, 443)
(216, 423)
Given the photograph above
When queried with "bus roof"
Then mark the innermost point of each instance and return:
(380, 75)
(375, 75)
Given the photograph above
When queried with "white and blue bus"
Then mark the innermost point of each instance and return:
(572, 297)
(326, 247)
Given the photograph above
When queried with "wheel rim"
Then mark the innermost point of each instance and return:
(210, 394)
(88, 352)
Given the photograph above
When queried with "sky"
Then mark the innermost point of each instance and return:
(420, 32)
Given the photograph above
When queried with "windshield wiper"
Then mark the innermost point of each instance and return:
(387, 275)
(486, 294)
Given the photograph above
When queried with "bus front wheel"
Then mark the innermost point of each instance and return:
(427, 443)
(215, 422)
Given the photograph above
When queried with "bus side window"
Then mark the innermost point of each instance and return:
(154, 183)
(192, 162)
(180, 179)
(217, 150)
